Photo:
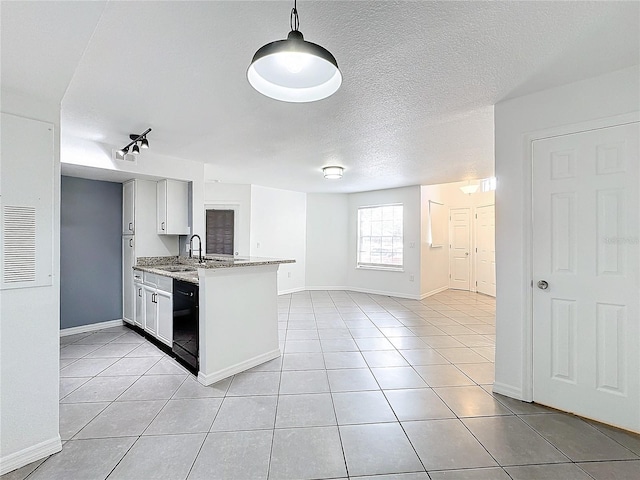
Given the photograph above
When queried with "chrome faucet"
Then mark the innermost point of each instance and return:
(199, 247)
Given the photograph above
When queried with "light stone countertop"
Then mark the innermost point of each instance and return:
(162, 265)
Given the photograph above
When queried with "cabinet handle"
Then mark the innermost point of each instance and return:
(162, 225)
(131, 242)
(131, 226)
(140, 292)
(153, 297)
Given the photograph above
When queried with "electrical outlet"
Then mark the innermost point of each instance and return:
(258, 245)
(411, 278)
(412, 244)
(288, 274)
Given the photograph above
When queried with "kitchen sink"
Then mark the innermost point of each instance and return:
(177, 268)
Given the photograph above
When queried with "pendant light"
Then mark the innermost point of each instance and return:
(294, 70)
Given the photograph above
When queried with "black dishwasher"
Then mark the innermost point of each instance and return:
(186, 323)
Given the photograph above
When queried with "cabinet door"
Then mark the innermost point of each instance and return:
(128, 260)
(178, 207)
(138, 292)
(161, 208)
(173, 207)
(165, 317)
(150, 310)
(128, 207)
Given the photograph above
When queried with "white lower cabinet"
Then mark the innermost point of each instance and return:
(164, 317)
(154, 307)
(138, 294)
(150, 310)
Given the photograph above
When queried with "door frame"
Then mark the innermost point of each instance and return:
(471, 287)
(526, 392)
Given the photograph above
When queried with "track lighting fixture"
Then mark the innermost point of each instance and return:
(294, 70)
(133, 144)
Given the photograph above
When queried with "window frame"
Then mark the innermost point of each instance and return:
(372, 265)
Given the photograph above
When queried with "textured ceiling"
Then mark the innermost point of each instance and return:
(415, 107)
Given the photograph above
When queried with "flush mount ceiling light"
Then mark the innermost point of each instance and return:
(294, 70)
(332, 172)
(137, 142)
(469, 189)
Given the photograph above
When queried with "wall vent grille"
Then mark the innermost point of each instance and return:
(19, 244)
(127, 157)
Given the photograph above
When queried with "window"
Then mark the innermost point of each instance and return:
(488, 184)
(380, 236)
(220, 232)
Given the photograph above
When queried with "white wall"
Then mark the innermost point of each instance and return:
(327, 241)
(387, 282)
(278, 229)
(238, 196)
(435, 260)
(29, 328)
(434, 266)
(589, 100)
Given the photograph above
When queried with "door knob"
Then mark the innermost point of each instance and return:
(543, 284)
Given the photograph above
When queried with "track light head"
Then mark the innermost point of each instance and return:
(137, 142)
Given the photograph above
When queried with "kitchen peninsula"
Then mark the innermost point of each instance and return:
(238, 314)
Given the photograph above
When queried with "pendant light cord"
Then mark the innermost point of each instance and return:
(294, 21)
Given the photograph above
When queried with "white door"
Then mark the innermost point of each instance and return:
(150, 310)
(459, 248)
(128, 207)
(586, 334)
(165, 317)
(138, 291)
(128, 261)
(486, 250)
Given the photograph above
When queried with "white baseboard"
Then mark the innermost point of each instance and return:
(327, 288)
(433, 292)
(211, 378)
(508, 391)
(30, 454)
(386, 294)
(91, 327)
(291, 290)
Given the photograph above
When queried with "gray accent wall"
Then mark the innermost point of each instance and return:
(90, 252)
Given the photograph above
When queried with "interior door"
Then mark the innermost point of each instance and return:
(586, 334)
(486, 250)
(459, 248)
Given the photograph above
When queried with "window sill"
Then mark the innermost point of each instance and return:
(384, 269)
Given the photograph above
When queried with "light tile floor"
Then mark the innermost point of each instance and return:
(368, 387)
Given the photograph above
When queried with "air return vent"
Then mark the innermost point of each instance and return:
(19, 244)
(127, 157)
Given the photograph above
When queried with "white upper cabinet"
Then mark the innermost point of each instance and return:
(173, 207)
(128, 207)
